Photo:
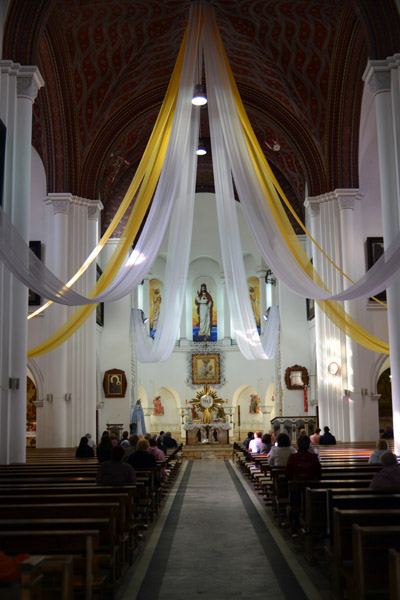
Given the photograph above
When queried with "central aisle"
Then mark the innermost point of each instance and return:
(212, 540)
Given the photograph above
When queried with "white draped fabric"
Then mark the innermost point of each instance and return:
(173, 205)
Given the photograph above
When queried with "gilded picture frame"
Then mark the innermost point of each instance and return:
(206, 368)
(114, 383)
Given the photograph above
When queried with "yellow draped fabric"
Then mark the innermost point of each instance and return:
(145, 180)
(273, 194)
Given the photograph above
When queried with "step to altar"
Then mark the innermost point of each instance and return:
(207, 451)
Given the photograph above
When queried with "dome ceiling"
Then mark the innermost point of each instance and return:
(106, 67)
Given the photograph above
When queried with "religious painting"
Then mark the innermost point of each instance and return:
(34, 298)
(310, 308)
(158, 408)
(254, 292)
(254, 408)
(375, 250)
(204, 310)
(100, 306)
(155, 299)
(206, 368)
(296, 377)
(114, 383)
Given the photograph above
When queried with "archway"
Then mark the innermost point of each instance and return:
(384, 388)
(31, 417)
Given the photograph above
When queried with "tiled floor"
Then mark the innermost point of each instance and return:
(214, 539)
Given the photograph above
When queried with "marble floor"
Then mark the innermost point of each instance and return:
(214, 539)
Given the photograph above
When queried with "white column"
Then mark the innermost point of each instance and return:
(383, 79)
(346, 202)
(81, 347)
(94, 209)
(329, 339)
(29, 81)
(55, 434)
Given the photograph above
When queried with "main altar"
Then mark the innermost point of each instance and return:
(207, 433)
(212, 428)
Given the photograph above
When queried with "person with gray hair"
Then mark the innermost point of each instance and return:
(389, 476)
(381, 447)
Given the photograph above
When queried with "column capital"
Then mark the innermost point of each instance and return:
(61, 202)
(94, 209)
(347, 198)
(314, 206)
(377, 76)
(261, 272)
(29, 82)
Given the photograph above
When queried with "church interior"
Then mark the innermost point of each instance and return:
(200, 269)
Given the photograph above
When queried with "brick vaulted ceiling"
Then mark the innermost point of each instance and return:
(107, 63)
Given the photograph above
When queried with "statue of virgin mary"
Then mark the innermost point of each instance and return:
(138, 424)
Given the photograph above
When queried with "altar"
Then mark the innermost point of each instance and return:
(215, 432)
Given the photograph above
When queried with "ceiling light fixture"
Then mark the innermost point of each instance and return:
(201, 150)
(199, 96)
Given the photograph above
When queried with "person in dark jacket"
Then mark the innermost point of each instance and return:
(327, 439)
(142, 459)
(103, 450)
(84, 450)
(116, 471)
(169, 441)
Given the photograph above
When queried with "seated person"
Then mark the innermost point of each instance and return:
(279, 454)
(389, 476)
(141, 459)
(116, 471)
(256, 444)
(84, 450)
(125, 440)
(266, 440)
(169, 441)
(303, 465)
(247, 440)
(327, 439)
(315, 437)
(131, 449)
(381, 447)
(103, 450)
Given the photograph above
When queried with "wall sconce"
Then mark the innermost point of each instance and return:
(49, 397)
(67, 397)
(13, 383)
(269, 278)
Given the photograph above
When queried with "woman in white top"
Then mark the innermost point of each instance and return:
(279, 454)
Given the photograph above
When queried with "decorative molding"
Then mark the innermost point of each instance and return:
(94, 209)
(29, 82)
(347, 197)
(377, 76)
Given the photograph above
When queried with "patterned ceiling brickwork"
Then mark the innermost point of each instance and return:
(297, 64)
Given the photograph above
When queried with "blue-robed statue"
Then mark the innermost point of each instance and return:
(137, 425)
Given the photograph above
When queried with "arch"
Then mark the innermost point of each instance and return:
(35, 373)
(381, 364)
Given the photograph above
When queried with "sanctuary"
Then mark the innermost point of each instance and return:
(229, 291)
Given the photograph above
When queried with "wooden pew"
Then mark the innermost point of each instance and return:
(107, 554)
(320, 504)
(71, 542)
(394, 574)
(50, 575)
(371, 561)
(342, 548)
